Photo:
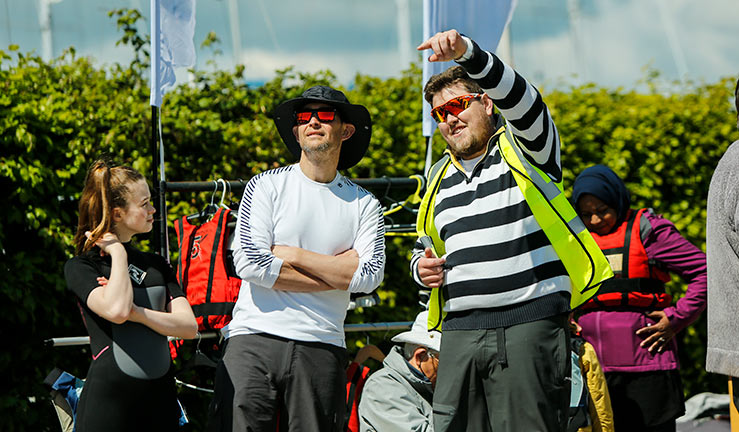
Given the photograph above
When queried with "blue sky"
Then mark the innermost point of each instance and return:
(554, 42)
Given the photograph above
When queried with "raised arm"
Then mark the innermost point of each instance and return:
(114, 300)
(518, 100)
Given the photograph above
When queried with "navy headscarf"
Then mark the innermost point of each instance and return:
(601, 182)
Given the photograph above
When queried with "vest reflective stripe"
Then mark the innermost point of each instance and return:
(425, 227)
(575, 247)
(425, 219)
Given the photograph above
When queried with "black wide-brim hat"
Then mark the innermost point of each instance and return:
(353, 149)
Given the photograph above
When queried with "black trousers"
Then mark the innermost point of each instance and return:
(646, 401)
(268, 383)
(509, 379)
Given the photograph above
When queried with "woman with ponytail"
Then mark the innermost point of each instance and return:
(130, 302)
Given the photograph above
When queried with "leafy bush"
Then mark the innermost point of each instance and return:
(58, 116)
(665, 147)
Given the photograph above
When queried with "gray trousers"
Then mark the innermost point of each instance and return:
(509, 379)
(267, 383)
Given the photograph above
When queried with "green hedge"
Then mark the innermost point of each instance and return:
(57, 117)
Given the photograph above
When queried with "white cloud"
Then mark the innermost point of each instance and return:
(261, 64)
(616, 43)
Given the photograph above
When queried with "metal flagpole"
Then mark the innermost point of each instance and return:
(173, 25)
(161, 192)
(157, 192)
(155, 102)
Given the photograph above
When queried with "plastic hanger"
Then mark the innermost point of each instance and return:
(223, 195)
(198, 359)
(206, 213)
(367, 352)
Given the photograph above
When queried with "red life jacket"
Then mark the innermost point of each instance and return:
(356, 375)
(638, 283)
(211, 291)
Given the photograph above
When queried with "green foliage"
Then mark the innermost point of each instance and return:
(57, 117)
(665, 147)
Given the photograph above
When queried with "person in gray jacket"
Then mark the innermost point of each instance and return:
(398, 397)
(722, 247)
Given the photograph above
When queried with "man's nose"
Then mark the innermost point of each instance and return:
(314, 120)
(451, 119)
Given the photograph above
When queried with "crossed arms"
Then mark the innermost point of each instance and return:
(306, 271)
(271, 263)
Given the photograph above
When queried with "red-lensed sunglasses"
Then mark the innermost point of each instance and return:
(453, 106)
(324, 115)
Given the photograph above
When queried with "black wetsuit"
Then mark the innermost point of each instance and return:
(129, 385)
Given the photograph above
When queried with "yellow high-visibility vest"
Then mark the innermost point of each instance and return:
(582, 258)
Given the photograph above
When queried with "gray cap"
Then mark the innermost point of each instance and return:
(420, 335)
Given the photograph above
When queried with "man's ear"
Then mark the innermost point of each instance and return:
(420, 354)
(348, 131)
(295, 133)
(488, 104)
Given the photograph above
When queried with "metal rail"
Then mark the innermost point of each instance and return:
(238, 185)
(348, 328)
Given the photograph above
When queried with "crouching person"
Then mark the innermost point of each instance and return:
(398, 397)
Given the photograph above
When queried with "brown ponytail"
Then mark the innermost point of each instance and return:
(106, 187)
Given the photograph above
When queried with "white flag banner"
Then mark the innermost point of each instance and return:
(172, 31)
(480, 20)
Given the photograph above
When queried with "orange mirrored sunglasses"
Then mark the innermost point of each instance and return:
(453, 106)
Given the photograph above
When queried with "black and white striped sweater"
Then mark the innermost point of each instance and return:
(504, 270)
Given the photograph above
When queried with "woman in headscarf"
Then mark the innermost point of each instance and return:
(631, 321)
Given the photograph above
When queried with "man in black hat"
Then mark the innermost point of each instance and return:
(307, 237)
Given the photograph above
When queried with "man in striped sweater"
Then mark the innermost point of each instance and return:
(506, 293)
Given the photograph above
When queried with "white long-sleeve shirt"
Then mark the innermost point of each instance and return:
(284, 207)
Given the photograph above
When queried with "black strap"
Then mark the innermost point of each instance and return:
(205, 309)
(213, 258)
(188, 258)
(352, 390)
(502, 355)
(180, 243)
(641, 285)
(53, 376)
(627, 244)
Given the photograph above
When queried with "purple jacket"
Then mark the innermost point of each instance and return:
(613, 334)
